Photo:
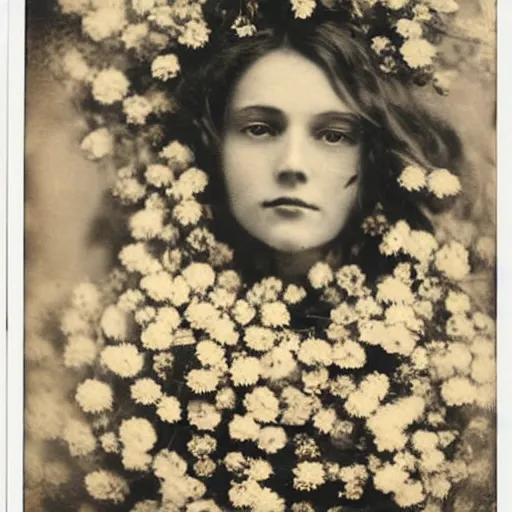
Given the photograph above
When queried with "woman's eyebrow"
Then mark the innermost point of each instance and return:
(335, 115)
(256, 111)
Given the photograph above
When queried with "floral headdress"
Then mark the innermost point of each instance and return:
(196, 392)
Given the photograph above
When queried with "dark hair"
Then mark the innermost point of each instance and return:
(396, 130)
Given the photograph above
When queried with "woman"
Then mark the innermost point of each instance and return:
(312, 368)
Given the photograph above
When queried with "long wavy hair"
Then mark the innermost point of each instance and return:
(396, 130)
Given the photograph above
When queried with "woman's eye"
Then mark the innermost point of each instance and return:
(333, 137)
(259, 131)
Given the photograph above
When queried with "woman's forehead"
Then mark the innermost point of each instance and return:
(285, 80)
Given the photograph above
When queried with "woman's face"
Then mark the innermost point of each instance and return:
(290, 153)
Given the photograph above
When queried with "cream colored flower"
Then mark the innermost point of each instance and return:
(79, 351)
(274, 314)
(412, 177)
(418, 52)
(106, 486)
(308, 476)
(169, 409)
(114, 323)
(315, 352)
(195, 34)
(203, 415)
(442, 183)
(165, 67)
(123, 360)
(97, 144)
(80, 438)
(134, 35)
(453, 260)
(137, 108)
(320, 275)
(243, 428)
(103, 22)
(245, 371)
(178, 155)
(260, 339)
(137, 434)
(202, 381)
(272, 439)
(110, 86)
(262, 405)
(303, 9)
(278, 364)
(94, 396)
(348, 354)
(409, 29)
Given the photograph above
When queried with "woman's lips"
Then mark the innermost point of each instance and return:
(288, 203)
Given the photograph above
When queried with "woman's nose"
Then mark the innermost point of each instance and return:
(291, 168)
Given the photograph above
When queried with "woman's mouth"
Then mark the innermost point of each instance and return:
(289, 203)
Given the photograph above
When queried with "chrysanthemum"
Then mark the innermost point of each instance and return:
(243, 428)
(303, 9)
(134, 35)
(294, 294)
(109, 442)
(394, 291)
(245, 371)
(396, 239)
(137, 434)
(259, 470)
(199, 276)
(453, 260)
(210, 354)
(110, 86)
(409, 29)
(367, 397)
(418, 52)
(137, 258)
(114, 323)
(412, 177)
(79, 351)
(278, 364)
(443, 183)
(202, 381)
(262, 404)
(124, 360)
(191, 182)
(106, 486)
(243, 312)
(168, 465)
(199, 446)
(137, 108)
(204, 468)
(203, 415)
(222, 330)
(342, 386)
(315, 352)
(260, 339)
(235, 462)
(165, 67)
(324, 420)
(272, 439)
(320, 275)
(74, 6)
(458, 391)
(348, 354)
(188, 212)
(94, 396)
(203, 506)
(97, 144)
(169, 409)
(201, 315)
(225, 399)
(130, 300)
(222, 298)
(195, 34)
(298, 407)
(275, 314)
(178, 155)
(308, 476)
(103, 22)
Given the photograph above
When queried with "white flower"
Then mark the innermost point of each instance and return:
(169, 409)
(159, 175)
(396, 239)
(272, 439)
(145, 391)
(129, 190)
(143, 6)
(76, 66)
(94, 396)
(412, 177)
(104, 22)
(294, 294)
(188, 212)
(169, 465)
(106, 486)
(225, 399)
(137, 434)
(298, 406)
(365, 400)
(110, 86)
(134, 35)
(260, 339)
(223, 331)
(457, 302)
(242, 27)
(393, 290)
(274, 314)
(316, 380)
(235, 462)
(267, 290)
(443, 183)
(315, 352)
(320, 275)
(146, 506)
(193, 181)
(395, 4)
(211, 354)
(165, 67)
(97, 144)
(114, 323)
(80, 438)
(124, 360)
(459, 391)
(135, 460)
(409, 29)
(200, 315)
(203, 415)
(245, 371)
(199, 276)
(348, 354)
(130, 300)
(303, 8)
(324, 420)
(199, 446)
(278, 364)
(178, 155)
(109, 442)
(79, 351)
(421, 245)
(308, 476)
(417, 53)
(195, 34)
(243, 312)
(137, 258)
(453, 260)
(202, 381)
(243, 428)
(380, 44)
(262, 404)
(259, 470)
(137, 108)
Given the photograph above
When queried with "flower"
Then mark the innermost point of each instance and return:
(104, 22)
(453, 260)
(94, 396)
(395, 4)
(109, 442)
(169, 409)
(243, 428)
(137, 108)
(204, 468)
(294, 294)
(417, 52)
(443, 6)
(145, 391)
(195, 34)
(110, 86)
(278, 364)
(258, 470)
(129, 190)
(134, 35)
(315, 352)
(143, 6)
(412, 177)
(130, 300)
(348, 354)
(243, 312)
(74, 6)
(324, 420)
(274, 314)
(380, 44)
(308, 476)
(199, 276)
(159, 175)
(298, 407)
(137, 434)
(243, 27)
(223, 331)
(320, 275)
(409, 29)
(124, 360)
(114, 323)
(97, 144)
(80, 438)
(168, 465)
(203, 415)
(262, 404)
(457, 302)
(396, 239)
(443, 183)
(272, 439)
(260, 339)
(165, 67)
(245, 371)
(193, 181)
(225, 399)
(76, 66)
(178, 155)
(188, 213)
(202, 381)
(363, 401)
(395, 291)
(458, 391)
(79, 351)
(199, 446)
(106, 486)
(303, 8)
(137, 258)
